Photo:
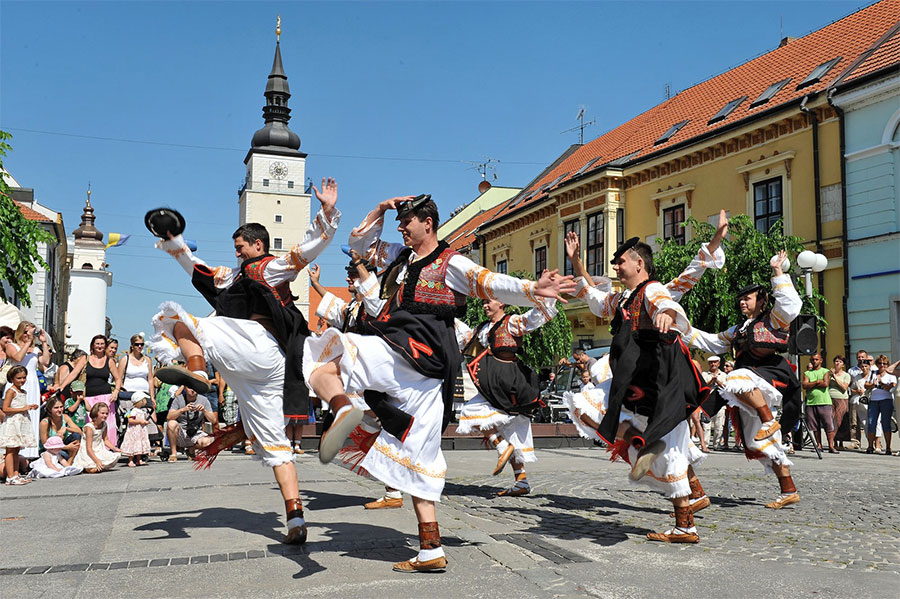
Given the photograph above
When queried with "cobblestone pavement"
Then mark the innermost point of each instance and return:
(169, 531)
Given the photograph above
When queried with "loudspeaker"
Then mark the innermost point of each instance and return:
(804, 339)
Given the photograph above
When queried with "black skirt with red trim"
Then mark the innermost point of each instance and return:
(508, 386)
(654, 376)
(781, 375)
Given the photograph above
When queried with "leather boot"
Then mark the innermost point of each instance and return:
(698, 498)
(333, 439)
(429, 538)
(769, 426)
(179, 375)
(296, 535)
(684, 521)
(789, 494)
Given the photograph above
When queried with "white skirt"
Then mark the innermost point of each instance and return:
(251, 362)
(416, 465)
(478, 414)
(668, 472)
(767, 451)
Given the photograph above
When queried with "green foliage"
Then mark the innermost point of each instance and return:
(542, 348)
(712, 304)
(19, 239)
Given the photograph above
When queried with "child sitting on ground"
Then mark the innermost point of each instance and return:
(136, 444)
(51, 464)
(97, 453)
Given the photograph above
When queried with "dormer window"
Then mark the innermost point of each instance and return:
(819, 72)
(769, 93)
(670, 133)
(726, 110)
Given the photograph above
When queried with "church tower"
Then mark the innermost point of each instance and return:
(274, 192)
(88, 282)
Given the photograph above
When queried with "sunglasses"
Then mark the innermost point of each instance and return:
(138, 344)
(881, 363)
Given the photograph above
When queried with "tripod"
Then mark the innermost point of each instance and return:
(806, 438)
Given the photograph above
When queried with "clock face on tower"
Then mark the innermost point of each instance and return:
(278, 170)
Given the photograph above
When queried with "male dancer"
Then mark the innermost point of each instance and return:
(255, 327)
(507, 389)
(411, 356)
(761, 377)
(654, 384)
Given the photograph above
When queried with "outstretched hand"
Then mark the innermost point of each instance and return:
(553, 286)
(776, 262)
(572, 245)
(721, 232)
(328, 196)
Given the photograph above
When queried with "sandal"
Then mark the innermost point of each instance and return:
(17, 480)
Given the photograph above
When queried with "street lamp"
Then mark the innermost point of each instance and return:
(809, 263)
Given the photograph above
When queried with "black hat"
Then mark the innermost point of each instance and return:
(407, 206)
(624, 248)
(351, 268)
(750, 289)
(161, 221)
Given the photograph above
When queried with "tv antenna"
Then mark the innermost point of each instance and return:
(488, 165)
(580, 126)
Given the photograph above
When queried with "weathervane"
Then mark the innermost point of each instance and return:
(278, 29)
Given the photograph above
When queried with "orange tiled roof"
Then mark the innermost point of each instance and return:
(465, 235)
(635, 140)
(882, 55)
(32, 214)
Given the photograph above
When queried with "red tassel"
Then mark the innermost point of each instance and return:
(619, 450)
(223, 439)
(352, 455)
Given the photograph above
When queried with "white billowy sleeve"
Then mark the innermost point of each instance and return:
(317, 237)
(787, 302)
(369, 290)
(601, 303)
(333, 309)
(223, 276)
(520, 324)
(366, 240)
(466, 277)
(688, 278)
(463, 333)
(657, 299)
(713, 343)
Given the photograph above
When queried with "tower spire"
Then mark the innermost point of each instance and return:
(87, 233)
(276, 114)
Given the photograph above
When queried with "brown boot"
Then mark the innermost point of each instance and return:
(385, 503)
(333, 439)
(503, 459)
(179, 375)
(429, 538)
(645, 458)
(698, 498)
(789, 494)
(769, 426)
(684, 521)
(296, 534)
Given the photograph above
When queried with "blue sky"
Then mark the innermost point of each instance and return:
(154, 103)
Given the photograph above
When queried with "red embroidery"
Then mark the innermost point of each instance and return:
(416, 347)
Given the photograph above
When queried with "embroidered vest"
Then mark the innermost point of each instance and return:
(632, 311)
(424, 289)
(760, 335)
(501, 341)
(255, 269)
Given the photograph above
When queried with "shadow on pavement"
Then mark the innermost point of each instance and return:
(177, 524)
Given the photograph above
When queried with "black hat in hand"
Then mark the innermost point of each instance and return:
(162, 221)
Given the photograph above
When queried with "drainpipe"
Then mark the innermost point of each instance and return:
(818, 201)
(845, 257)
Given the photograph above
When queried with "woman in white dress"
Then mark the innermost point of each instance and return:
(22, 352)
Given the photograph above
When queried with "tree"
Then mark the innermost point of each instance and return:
(19, 239)
(542, 348)
(712, 304)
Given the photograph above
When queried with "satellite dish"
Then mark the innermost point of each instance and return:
(484, 186)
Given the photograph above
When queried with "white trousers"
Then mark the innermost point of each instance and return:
(249, 359)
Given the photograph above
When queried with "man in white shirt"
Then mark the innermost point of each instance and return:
(714, 430)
